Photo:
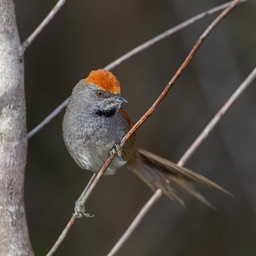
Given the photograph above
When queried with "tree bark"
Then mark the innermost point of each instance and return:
(14, 238)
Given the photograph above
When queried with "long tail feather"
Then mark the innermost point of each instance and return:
(158, 172)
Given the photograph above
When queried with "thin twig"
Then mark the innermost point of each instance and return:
(184, 158)
(180, 70)
(68, 226)
(43, 24)
(82, 204)
(158, 193)
(134, 128)
(166, 34)
(154, 198)
(63, 235)
(206, 131)
(162, 95)
(135, 51)
(96, 179)
(48, 118)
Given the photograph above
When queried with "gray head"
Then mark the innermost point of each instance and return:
(99, 93)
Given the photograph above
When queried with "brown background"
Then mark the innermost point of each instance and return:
(87, 35)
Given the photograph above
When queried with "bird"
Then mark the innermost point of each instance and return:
(93, 126)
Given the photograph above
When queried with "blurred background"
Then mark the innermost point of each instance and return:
(88, 35)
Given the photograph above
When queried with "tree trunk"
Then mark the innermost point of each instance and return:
(14, 238)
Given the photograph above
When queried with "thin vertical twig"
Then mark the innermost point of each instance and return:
(135, 51)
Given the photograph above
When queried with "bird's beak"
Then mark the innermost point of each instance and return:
(120, 98)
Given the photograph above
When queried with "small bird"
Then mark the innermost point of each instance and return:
(94, 125)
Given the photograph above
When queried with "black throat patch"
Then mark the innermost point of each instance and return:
(106, 113)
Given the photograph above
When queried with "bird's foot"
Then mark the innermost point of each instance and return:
(80, 210)
(116, 150)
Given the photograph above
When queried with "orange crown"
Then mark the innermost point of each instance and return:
(104, 80)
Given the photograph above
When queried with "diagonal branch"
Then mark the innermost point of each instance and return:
(203, 135)
(167, 33)
(145, 209)
(43, 24)
(135, 51)
(158, 192)
(181, 69)
(54, 113)
(210, 126)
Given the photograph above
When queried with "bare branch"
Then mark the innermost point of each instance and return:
(135, 51)
(62, 235)
(43, 24)
(206, 131)
(180, 70)
(203, 135)
(48, 118)
(82, 200)
(158, 193)
(166, 34)
(155, 197)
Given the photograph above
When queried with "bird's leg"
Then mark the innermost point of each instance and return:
(79, 207)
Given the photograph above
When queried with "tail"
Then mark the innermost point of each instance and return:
(158, 172)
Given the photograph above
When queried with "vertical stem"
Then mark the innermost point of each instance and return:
(14, 238)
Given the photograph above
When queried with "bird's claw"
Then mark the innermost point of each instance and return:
(116, 150)
(80, 211)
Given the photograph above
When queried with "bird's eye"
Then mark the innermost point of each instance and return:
(100, 93)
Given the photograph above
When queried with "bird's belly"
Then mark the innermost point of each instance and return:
(90, 147)
(93, 156)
